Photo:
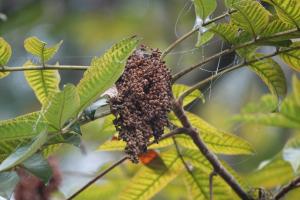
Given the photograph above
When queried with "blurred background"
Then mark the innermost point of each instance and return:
(88, 28)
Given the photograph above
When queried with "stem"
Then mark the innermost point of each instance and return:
(231, 50)
(46, 67)
(284, 190)
(211, 157)
(188, 34)
(98, 177)
(229, 69)
(211, 189)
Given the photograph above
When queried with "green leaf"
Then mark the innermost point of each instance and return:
(291, 153)
(147, 181)
(292, 58)
(105, 71)
(197, 183)
(38, 48)
(24, 152)
(43, 82)
(228, 32)
(178, 89)
(39, 167)
(271, 173)
(271, 74)
(204, 35)
(271, 119)
(19, 131)
(5, 52)
(62, 107)
(119, 145)
(218, 141)
(8, 181)
(276, 26)
(268, 103)
(251, 17)
(287, 10)
(204, 8)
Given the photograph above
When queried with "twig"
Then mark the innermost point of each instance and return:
(46, 67)
(98, 177)
(211, 189)
(284, 190)
(211, 157)
(229, 69)
(188, 34)
(228, 51)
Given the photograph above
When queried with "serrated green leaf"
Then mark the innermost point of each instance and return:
(8, 181)
(271, 74)
(43, 82)
(251, 17)
(272, 173)
(38, 166)
(19, 131)
(178, 89)
(228, 32)
(287, 10)
(38, 48)
(147, 182)
(61, 107)
(105, 71)
(218, 141)
(204, 8)
(24, 152)
(292, 58)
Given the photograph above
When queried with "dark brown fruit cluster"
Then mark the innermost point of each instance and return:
(143, 101)
(32, 188)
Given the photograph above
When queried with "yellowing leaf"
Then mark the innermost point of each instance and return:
(271, 74)
(178, 89)
(43, 82)
(218, 141)
(61, 107)
(292, 58)
(228, 32)
(148, 181)
(251, 16)
(5, 54)
(38, 48)
(105, 71)
(287, 10)
(273, 173)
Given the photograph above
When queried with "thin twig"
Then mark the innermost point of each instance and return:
(229, 69)
(98, 177)
(284, 190)
(211, 157)
(211, 189)
(46, 67)
(228, 51)
(191, 32)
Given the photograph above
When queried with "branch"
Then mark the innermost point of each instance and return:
(46, 67)
(188, 34)
(211, 189)
(229, 69)
(98, 177)
(211, 157)
(231, 50)
(284, 190)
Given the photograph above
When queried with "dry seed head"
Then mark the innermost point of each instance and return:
(143, 101)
